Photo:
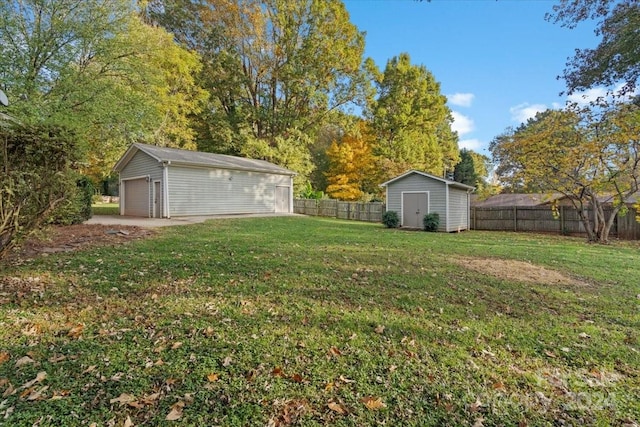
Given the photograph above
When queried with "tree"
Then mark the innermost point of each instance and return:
(617, 57)
(36, 177)
(410, 120)
(465, 171)
(95, 67)
(351, 171)
(590, 156)
(273, 67)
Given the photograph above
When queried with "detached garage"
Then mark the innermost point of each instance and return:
(160, 182)
(415, 194)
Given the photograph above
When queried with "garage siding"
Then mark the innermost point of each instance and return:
(202, 191)
(418, 183)
(141, 165)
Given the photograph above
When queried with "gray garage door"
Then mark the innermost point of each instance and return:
(414, 207)
(136, 197)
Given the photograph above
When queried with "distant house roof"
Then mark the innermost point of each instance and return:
(437, 178)
(515, 199)
(535, 199)
(176, 156)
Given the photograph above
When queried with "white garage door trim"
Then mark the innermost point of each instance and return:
(135, 196)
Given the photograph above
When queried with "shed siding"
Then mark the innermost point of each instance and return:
(417, 183)
(458, 210)
(203, 191)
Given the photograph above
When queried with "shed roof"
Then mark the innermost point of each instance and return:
(437, 178)
(177, 156)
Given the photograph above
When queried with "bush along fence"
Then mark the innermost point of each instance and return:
(542, 220)
(359, 211)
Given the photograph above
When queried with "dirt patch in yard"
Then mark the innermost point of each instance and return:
(519, 271)
(74, 237)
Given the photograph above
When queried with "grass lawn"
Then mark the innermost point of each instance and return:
(105, 209)
(311, 321)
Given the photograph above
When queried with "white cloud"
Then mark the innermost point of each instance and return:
(461, 123)
(461, 99)
(471, 144)
(525, 111)
(592, 95)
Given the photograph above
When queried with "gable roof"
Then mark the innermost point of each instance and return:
(516, 199)
(177, 156)
(437, 178)
(535, 199)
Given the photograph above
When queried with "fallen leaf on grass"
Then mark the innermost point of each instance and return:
(297, 378)
(336, 407)
(40, 376)
(277, 372)
(213, 377)
(123, 399)
(227, 361)
(373, 403)
(9, 391)
(346, 380)
(333, 351)
(4, 357)
(25, 360)
(76, 331)
(128, 422)
(176, 412)
(148, 400)
(550, 354)
(37, 394)
(379, 329)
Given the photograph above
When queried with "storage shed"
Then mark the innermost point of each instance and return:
(415, 194)
(160, 182)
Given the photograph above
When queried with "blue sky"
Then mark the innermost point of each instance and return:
(496, 61)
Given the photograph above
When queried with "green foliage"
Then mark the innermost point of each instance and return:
(272, 68)
(464, 170)
(93, 66)
(391, 219)
(410, 120)
(77, 207)
(616, 58)
(308, 192)
(36, 178)
(591, 156)
(431, 221)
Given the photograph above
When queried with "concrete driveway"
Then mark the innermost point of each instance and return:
(165, 222)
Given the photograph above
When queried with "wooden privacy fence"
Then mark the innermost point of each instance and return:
(542, 219)
(358, 211)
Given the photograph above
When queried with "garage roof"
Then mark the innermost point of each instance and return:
(176, 156)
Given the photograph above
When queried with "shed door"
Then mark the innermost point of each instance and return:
(136, 197)
(282, 199)
(414, 207)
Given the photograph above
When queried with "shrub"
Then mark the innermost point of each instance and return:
(36, 177)
(431, 221)
(77, 207)
(391, 219)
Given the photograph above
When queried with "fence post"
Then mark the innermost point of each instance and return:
(515, 218)
(561, 219)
